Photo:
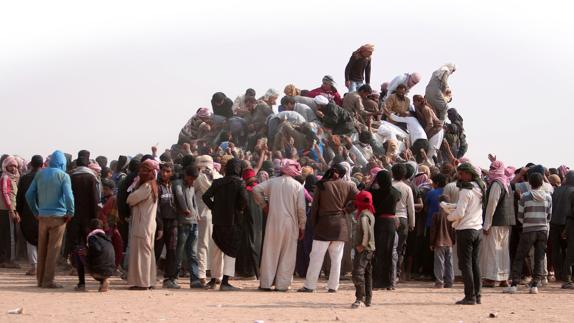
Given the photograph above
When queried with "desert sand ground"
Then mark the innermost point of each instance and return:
(411, 302)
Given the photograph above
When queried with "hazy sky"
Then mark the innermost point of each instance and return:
(116, 77)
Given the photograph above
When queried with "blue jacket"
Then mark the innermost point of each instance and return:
(50, 193)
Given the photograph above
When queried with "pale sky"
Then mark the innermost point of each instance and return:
(116, 77)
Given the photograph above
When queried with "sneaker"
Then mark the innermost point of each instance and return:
(331, 290)
(31, 272)
(170, 284)
(533, 290)
(305, 290)
(438, 285)
(448, 285)
(357, 304)
(228, 288)
(510, 290)
(568, 285)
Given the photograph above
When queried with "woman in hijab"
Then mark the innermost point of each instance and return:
(385, 198)
(330, 224)
(304, 246)
(143, 203)
(8, 215)
(247, 264)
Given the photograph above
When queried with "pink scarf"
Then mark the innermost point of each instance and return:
(497, 173)
(290, 168)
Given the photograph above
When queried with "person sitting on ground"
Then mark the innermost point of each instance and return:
(100, 257)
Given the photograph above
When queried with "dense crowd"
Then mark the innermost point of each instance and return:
(364, 184)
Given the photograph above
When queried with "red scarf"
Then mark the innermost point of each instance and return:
(364, 201)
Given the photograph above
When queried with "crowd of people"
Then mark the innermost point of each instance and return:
(363, 185)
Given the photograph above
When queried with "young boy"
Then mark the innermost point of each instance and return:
(364, 249)
(100, 257)
(534, 212)
(167, 226)
(442, 239)
(187, 225)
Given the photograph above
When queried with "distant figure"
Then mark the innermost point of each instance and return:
(222, 105)
(358, 69)
(8, 215)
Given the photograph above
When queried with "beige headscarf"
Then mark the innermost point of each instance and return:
(291, 90)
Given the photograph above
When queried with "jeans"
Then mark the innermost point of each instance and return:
(363, 276)
(558, 249)
(538, 239)
(468, 251)
(355, 85)
(443, 265)
(169, 239)
(187, 242)
(403, 233)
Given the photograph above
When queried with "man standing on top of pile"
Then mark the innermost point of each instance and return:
(358, 69)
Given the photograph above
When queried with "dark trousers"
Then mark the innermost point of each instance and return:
(403, 232)
(538, 239)
(169, 239)
(569, 260)
(385, 229)
(363, 276)
(187, 246)
(468, 250)
(5, 237)
(558, 249)
(514, 240)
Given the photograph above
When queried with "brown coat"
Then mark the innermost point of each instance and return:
(441, 231)
(328, 210)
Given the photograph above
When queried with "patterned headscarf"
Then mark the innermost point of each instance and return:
(290, 168)
(497, 173)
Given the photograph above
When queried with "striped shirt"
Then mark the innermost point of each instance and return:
(535, 210)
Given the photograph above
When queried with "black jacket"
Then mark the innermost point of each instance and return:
(101, 256)
(29, 224)
(227, 198)
(337, 119)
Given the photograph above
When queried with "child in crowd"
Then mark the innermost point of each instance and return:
(364, 249)
(442, 239)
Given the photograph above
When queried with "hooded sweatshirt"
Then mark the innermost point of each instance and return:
(535, 210)
(563, 201)
(50, 193)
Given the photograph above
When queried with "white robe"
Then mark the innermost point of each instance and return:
(286, 217)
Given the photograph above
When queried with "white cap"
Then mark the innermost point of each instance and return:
(321, 100)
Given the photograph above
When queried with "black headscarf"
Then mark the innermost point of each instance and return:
(336, 168)
(233, 168)
(310, 183)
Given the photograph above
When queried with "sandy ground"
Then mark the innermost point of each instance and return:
(411, 302)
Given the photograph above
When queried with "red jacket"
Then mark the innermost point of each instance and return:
(332, 95)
